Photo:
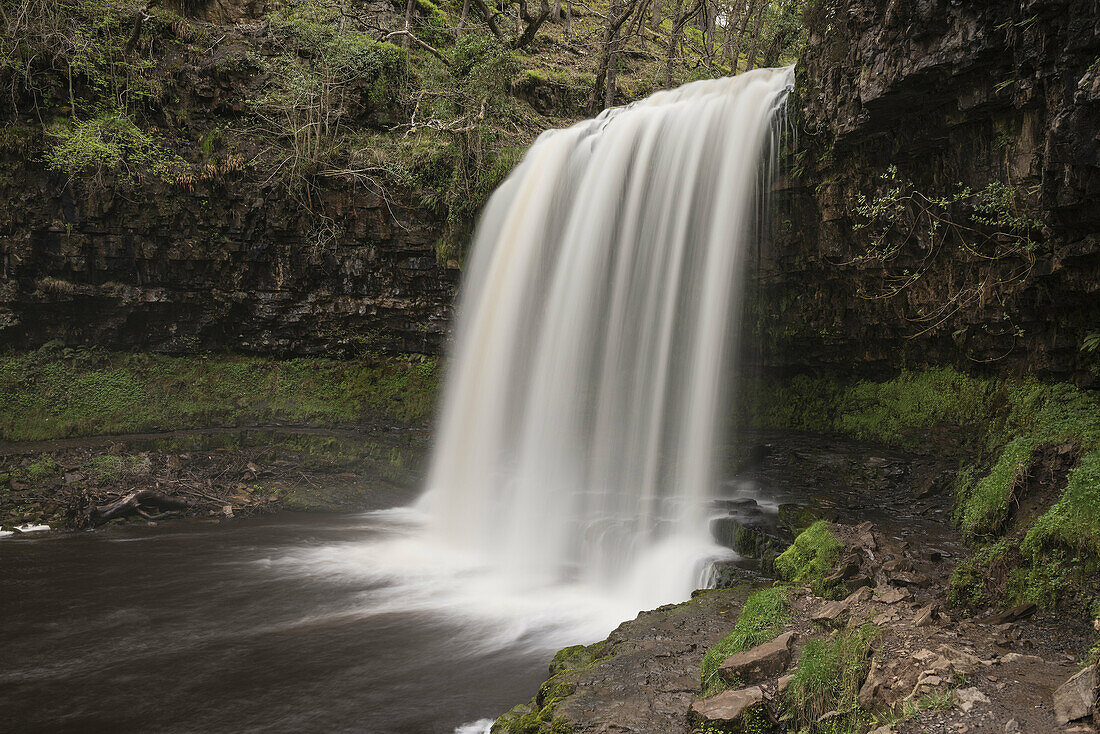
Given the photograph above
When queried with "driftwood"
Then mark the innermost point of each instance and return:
(132, 503)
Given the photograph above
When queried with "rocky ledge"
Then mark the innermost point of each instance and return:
(888, 657)
(867, 639)
(642, 678)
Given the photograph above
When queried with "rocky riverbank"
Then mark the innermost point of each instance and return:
(860, 633)
(216, 474)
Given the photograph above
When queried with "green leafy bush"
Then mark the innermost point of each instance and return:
(110, 140)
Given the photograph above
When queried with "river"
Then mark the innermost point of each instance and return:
(240, 627)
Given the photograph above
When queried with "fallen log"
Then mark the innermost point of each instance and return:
(132, 502)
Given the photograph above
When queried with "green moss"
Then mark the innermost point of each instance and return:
(434, 25)
(997, 427)
(42, 469)
(899, 411)
(538, 717)
(107, 468)
(984, 504)
(829, 674)
(44, 395)
(812, 557)
(762, 618)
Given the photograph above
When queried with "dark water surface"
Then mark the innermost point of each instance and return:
(192, 628)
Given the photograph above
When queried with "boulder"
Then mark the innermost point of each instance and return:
(907, 578)
(1076, 698)
(736, 711)
(1013, 614)
(760, 663)
(876, 677)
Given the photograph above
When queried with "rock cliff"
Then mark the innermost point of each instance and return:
(232, 264)
(970, 131)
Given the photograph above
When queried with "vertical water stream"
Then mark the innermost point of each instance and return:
(595, 340)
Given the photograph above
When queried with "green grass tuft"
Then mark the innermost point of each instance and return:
(762, 618)
(828, 677)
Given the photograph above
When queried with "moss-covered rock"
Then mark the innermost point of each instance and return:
(811, 558)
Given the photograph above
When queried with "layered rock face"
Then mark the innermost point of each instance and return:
(233, 265)
(998, 98)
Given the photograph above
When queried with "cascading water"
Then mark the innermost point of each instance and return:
(594, 340)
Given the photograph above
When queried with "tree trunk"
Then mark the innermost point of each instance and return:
(534, 22)
(408, 23)
(673, 37)
(490, 18)
(132, 502)
(462, 18)
(612, 73)
(757, 28)
(616, 16)
(741, 33)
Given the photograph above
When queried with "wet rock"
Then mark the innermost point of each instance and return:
(797, 518)
(760, 663)
(728, 574)
(863, 91)
(752, 538)
(741, 506)
(738, 711)
(1076, 698)
(645, 675)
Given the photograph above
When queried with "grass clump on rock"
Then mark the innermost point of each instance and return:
(829, 674)
(762, 618)
(811, 558)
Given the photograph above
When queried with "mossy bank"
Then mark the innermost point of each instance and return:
(1027, 490)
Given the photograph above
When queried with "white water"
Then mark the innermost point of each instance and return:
(594, 341)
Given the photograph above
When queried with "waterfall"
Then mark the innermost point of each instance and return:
(595, 336)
